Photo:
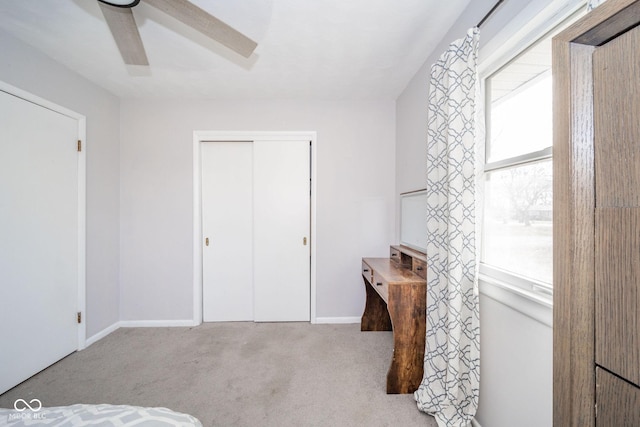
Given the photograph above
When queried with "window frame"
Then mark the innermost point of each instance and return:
(528, 296)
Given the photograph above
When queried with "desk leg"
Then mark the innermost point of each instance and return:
(407, 309)
(375, 316)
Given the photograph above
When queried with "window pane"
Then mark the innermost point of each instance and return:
(520, 97)
(518, 220)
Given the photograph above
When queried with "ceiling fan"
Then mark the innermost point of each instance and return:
(123, 27)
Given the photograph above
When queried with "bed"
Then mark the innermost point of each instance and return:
(95, 415)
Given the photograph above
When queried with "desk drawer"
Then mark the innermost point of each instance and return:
(367, 272)
(420, 268)
(394, 254)
(381, 287)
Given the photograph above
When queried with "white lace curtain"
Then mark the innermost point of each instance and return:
(451, 382)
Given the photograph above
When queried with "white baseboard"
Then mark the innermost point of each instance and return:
(330, 320)
(190, 323)
(157, 323)
(138, 324)
(103, 333)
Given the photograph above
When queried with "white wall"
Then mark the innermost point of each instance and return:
(355, 195)
(26, 68)
(516, 351)
(516, 377)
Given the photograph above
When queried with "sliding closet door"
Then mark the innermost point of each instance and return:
(39, 244)
(256, 222)
(281, 183)
(227, 216)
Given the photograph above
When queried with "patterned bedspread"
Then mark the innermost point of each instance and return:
(96, 415)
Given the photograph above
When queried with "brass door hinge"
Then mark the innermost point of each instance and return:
(79, 145)
(79, 317)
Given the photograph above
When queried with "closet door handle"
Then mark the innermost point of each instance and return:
(206, 241)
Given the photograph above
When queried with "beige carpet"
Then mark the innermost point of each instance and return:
(236, 374)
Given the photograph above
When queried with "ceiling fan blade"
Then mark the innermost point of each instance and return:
(125, 32)
(200, 20)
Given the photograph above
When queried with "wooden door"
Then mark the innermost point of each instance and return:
(616, 78)
(596, 68)
(39, 238)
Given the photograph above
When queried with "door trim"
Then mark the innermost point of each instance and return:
(82, 203)
(207, 136)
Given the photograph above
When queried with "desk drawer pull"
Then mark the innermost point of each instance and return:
(366, 270)
(419, 268)
(379, 284)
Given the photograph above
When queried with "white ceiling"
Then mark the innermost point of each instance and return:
(318, 49)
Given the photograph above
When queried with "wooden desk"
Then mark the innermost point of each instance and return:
(396, 300)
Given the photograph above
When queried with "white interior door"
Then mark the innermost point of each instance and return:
(227, 209)
(38, 238)
(281, 224)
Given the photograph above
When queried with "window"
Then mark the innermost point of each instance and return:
(517, 225)
(517, 228)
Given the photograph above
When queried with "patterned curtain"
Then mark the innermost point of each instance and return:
(451, 382)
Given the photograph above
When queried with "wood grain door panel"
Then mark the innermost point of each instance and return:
(617, 279)
(616, 91)
(618, 401)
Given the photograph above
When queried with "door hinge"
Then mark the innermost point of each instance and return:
(79, 317)
(79, 145)
(596, 410)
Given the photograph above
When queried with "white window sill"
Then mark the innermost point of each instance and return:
(535, 305)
